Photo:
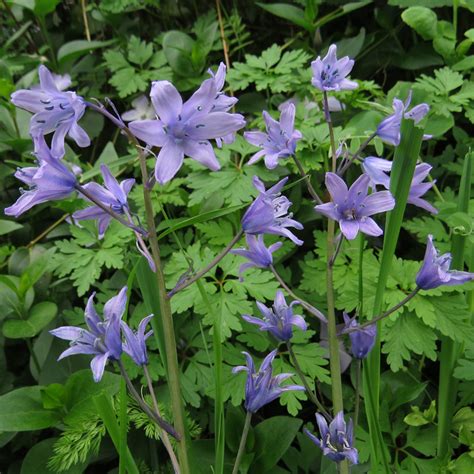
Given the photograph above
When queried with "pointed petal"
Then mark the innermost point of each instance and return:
(169, 161)
(150, 131)
(166, 100)
(349, 228)
(337, 188)
(202, 152)
(98, 366)
(370, 227)
(376, 203)
(215, 125)
(79, 135)
(68, 333)
(116, 305)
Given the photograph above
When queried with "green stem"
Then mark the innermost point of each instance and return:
(47, 40)
(353, 157)
(307, 178)
(243, 440)
(357, 394)
(311, 394)
(123, 425)
(33, 356)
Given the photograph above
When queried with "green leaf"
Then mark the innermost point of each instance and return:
(288, 12)
(77, 48)
(178, 48)
(22, 410)
(139, 52)
(8, 226)
(422, 20)
(272, 439)
(40, 315)
(44, 7)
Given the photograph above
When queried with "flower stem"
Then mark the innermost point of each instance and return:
(164, 434)
(311, 309)
(357, 394)
(243, 440)
(184, 284)
(306, 176)
(311, 394)
(353, 157)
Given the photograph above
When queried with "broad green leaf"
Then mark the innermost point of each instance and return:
(8, 226)
(77, 48)
(44, 7)
(40, 315)
(422, 20)
(178, 48)
(288, 12)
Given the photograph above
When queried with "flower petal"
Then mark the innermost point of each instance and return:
(202, 152)
(169, 161)
(166, 100)
(150, 131)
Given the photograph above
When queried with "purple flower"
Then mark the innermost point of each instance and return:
(435, 270)
(102, 338)
(261, 388)
(362, 340)
(184, 129)
(352, 208)
(49, 181)
(114, 195)
(278, 320)
(268, 214)
(389, 128)
(336, 439)
(259, 255)
(135, 342)
(376, 169)
(280, 139)
(329, 73)
(141, 110)
(54, 111)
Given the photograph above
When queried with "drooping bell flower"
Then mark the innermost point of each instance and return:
(336, 440)
(330, 73)
(102, 339)
(353, 207)
(184, 129)
(261, 387)
(268, 214)
(258, 255)
(435, 271)
(279, 319)
(362, 340)
(279, 141)
(49, 181)
(135, 342)
(113, 195)
(55, 111)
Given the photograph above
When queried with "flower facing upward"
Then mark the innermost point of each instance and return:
(113, 195)
(280, 139)
(353, 207)
(261, 388)
(49, 181)
(336, 439)
(278, 320)
(135, 342)
(362, 340)
(257, 254)
(268, 214)
(102, 339)
(435, 270)
(54, 111)
(376, 169)
(389, 128)
(329, 73)
(184, 129)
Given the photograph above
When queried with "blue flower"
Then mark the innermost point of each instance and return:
(280, 139)
(135, 342)
(389, 128)
(278, 320)
(49, 181)
(362, 340)
(114, 195)
(184, 129)
(329, 73)
(257, 254)
(336, 439)
(102, 338)
(261, 388)
(54, 111)
(268, 214)
(352, 208)
(435, 270)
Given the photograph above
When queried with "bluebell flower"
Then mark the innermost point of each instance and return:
(435, 270)
(330, 73)
(141, 110)
(389, 128)
(102, 339)
(261, 387)
(279, 319)
(113, 195)
(268, 214)
(54, 111)
(49, 181)
(336, 440)
(258, 255)
(184, 129)
(353, 207)
(135, 342)
(280, 139)
(362, 340)
(377, 168)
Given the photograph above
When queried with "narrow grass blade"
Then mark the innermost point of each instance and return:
(404, 163)
(451, 350)
(123, 424)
